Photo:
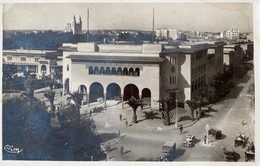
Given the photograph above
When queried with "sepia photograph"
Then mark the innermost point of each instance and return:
(143, 82)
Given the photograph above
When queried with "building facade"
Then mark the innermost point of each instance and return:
(33, 61)
(232, 34)
(148, 71)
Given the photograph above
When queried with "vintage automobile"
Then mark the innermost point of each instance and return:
(229, 154)
(189, 141)
(168, 150)
(250, 152)
(240, 140)
(216, 133)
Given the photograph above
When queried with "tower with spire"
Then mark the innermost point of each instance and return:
(77, 26)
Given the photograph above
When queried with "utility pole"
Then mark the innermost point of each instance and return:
(176, 121)
(88, 26)
(153, 28)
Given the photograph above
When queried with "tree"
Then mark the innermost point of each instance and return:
(50, 95)
(134, 104)
(201, 99)
(30, 86)
(77, 98)
(165, 111)
(26, 126)
(192, 106)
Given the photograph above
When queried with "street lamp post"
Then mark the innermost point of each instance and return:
(176, 121)
(207, 129)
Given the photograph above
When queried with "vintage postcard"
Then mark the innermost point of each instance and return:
(145, 82)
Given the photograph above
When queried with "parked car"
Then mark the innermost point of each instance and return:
(216, 133)
(229, 154)
(250, 152)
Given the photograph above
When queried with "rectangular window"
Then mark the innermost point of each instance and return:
(23, 58)
(173, 60)
(173, 80)
(9, 58)
(36, 59)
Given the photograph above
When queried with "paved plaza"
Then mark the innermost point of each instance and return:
(143, 141)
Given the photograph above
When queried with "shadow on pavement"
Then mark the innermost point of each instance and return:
(178, 153)
(223, 136)
(150, 115)
(211, 110)
(236, 156)
(113, 149)
(235, 92)
(244, 79)
(107, 136)
(196, 140)
(148, 159)
(98, 109)
(127, 151)
(206, 116)
(183, 118)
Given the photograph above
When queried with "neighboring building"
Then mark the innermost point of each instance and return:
(250, 37)
(233, 57)
(214, 60)
(173, 33)
(166, 33)
(162, 33)
(232, 34)
(250, 51)
(77, 26)
(32, 61)
(68, 28)
(183, 71)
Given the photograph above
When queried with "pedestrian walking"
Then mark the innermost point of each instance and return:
(126, 123)
(118, 134)
(205, 138)
(120, 117)
(181, 128)
(242, 121)
(90, 113)
(61, 93)
(121, 150)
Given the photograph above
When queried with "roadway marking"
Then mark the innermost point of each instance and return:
(231, 109)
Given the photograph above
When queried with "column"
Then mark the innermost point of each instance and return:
(105, 99)
(87, 98)
(122, 98)
(26, 68)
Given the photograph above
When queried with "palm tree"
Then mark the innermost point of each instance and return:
(201, 99)
(134, 104)
(165, 111)
(192, 106)
(77, 97)
(50, 95)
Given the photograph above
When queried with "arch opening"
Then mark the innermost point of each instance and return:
(113, 92)
(131, 90)
(96, 92)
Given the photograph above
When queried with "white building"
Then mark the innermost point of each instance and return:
(232, 34)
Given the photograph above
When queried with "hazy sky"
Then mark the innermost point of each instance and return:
(184, 16)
